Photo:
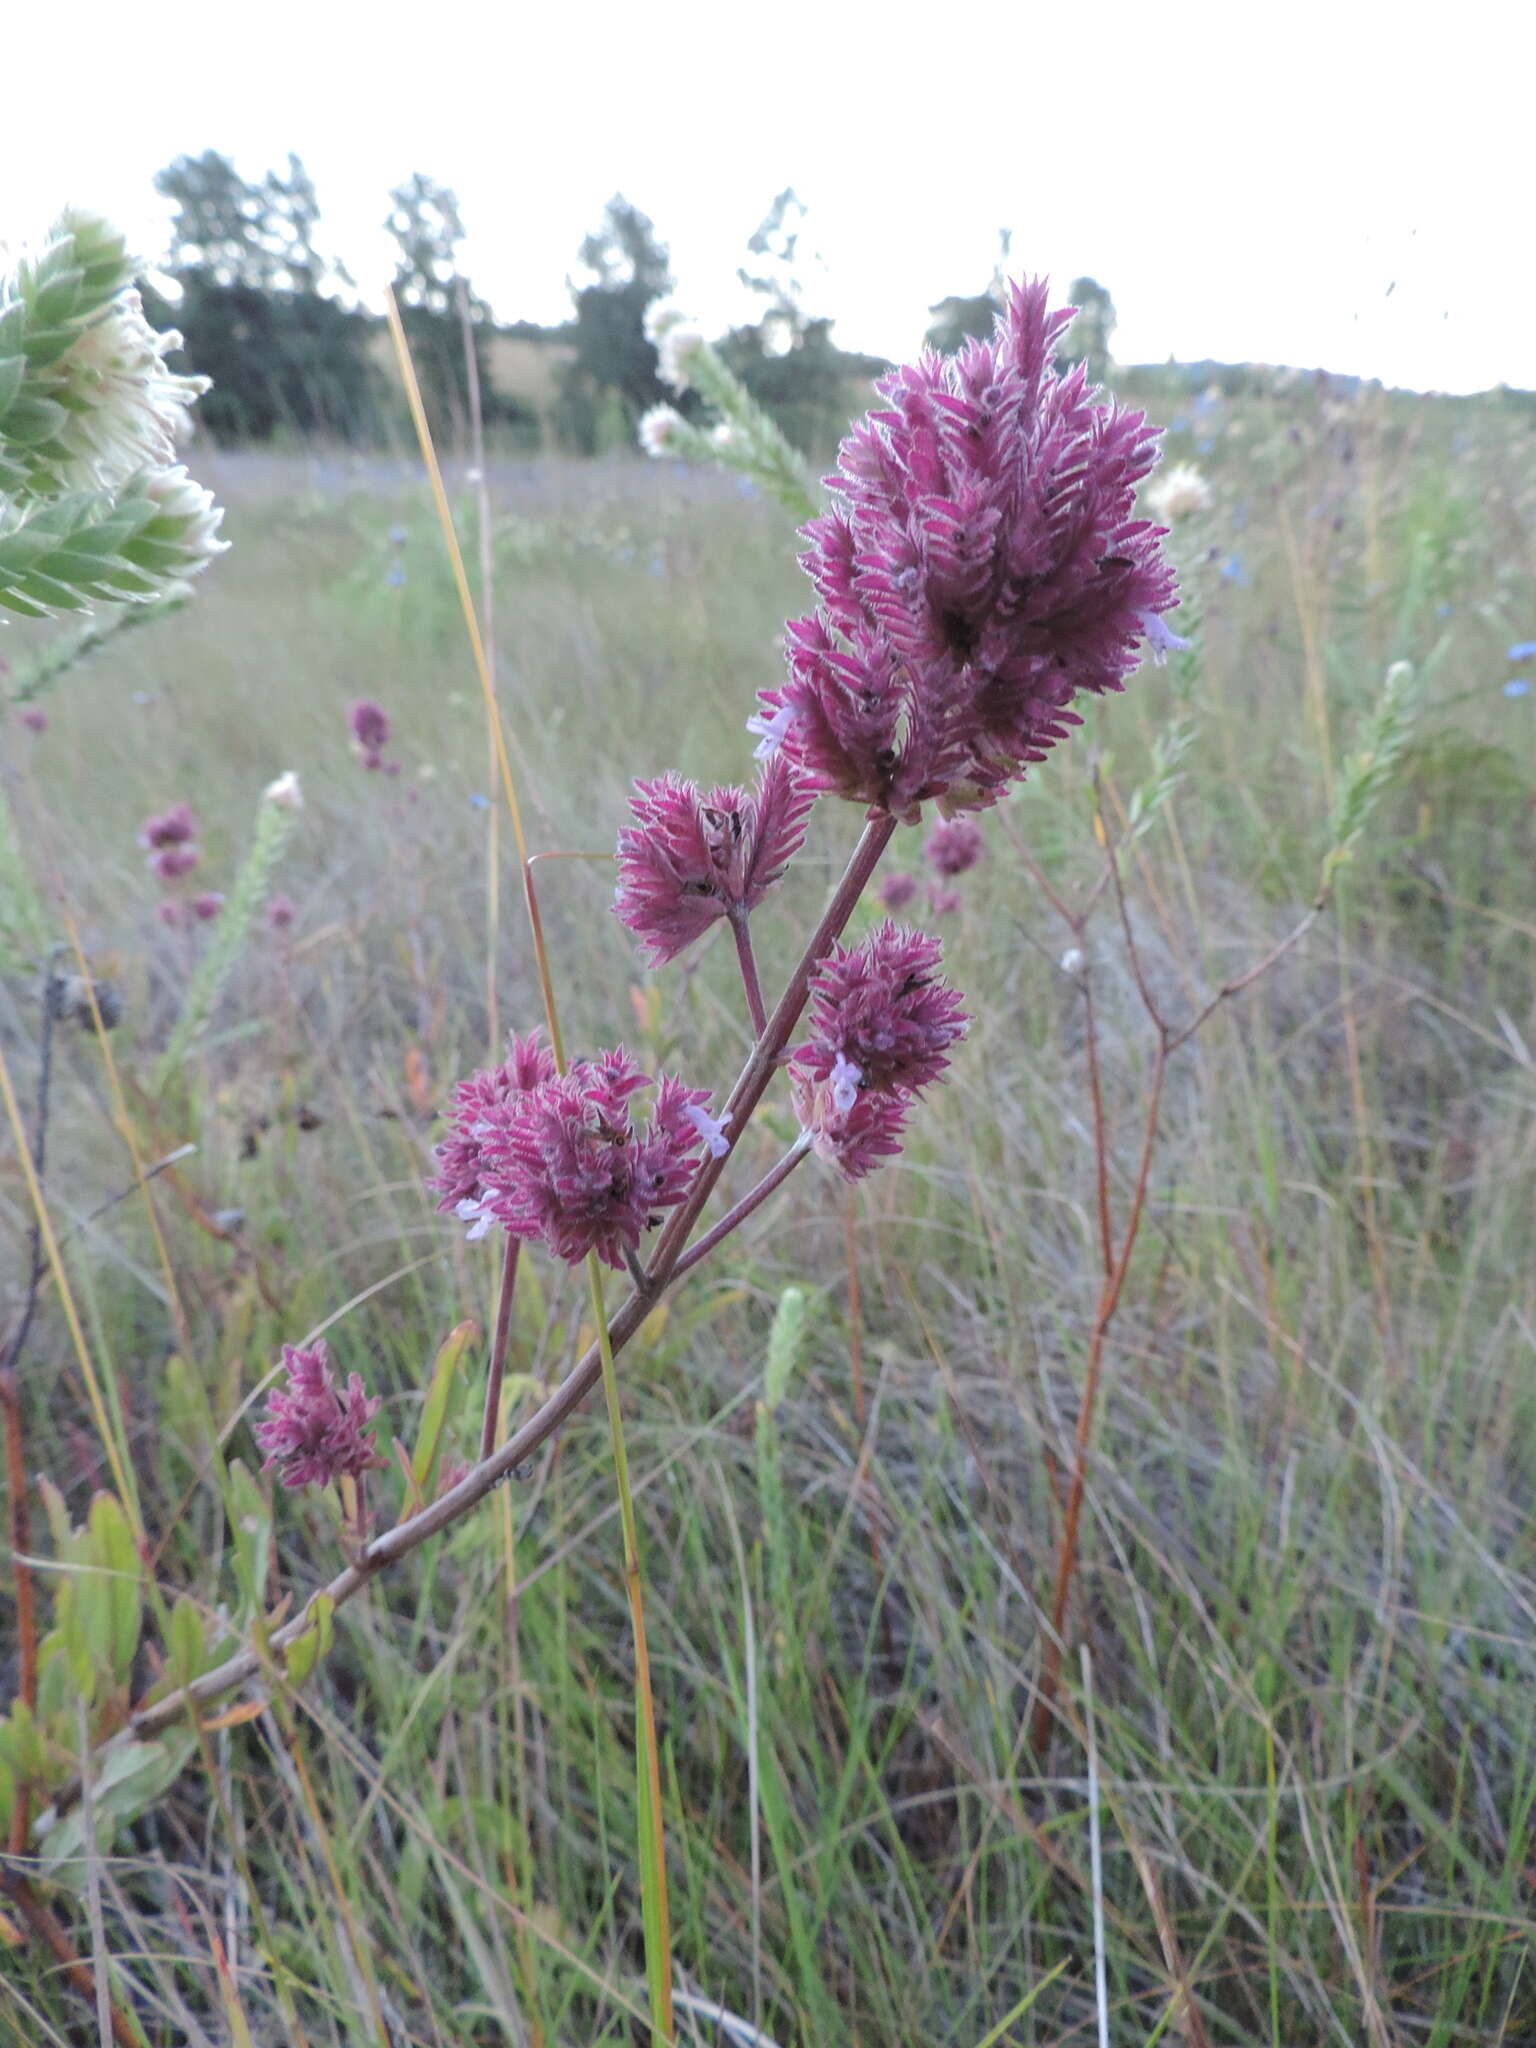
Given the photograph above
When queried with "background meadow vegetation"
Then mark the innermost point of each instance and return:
(1308, 1565)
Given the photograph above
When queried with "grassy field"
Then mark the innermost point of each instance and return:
(1287, 1796)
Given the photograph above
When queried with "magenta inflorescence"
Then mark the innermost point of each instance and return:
(562, 1161)
(174, 827)
(316, 1431)
(882, 1023)
(981, 568)
(690, 857)
(953, 845)
(476, 1104)
(368, 723)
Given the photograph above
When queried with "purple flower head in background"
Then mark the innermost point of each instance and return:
(172, 912)
(566, 1164)
(476, 1103)
(369, 725)
(881, 1007)
(691, 858)
(897, 890)
(207, 906)
(174, 861)
(943, 901)
(316, 1431)
(982, 565)
(279, 913)
(953, 845)
(34, 718)
(170, 828)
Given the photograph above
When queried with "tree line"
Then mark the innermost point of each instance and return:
(274, 319)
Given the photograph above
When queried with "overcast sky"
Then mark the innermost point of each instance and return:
(1347, 185)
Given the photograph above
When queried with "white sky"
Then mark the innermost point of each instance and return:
(1248, 182)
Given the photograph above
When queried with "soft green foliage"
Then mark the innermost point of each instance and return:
(91, 509)
(1309, 1558)
(24, 924)
(1385, 735)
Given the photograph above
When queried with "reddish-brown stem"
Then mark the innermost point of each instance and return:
(774, 1178)
(1100, 1129)
(496, 1369)
(1109, 1301)
(21, 1572)
(449, 1507)
(42, 1924)
(749, 980)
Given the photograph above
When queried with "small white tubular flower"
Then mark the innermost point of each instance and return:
(676, 350)
(188, 519)
(126, 409)
(1178, 493)
(659, 434)
(285, 791)
(727, 437)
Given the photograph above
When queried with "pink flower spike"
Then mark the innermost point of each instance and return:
(175, 860)
(460, 1175)
(171, 828)
(953, 845)
(881, 1007)
(691, 858)
(981, 566)
(856, 1138)
(315, 1431)
(369, 726)
(567, 1166)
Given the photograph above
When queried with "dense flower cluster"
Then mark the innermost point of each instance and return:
(477, 1103)
(691, 858)
(981, 567)
(562, 1161)
(882, 1024)
(123, 410)
(369, 725)
(316, 1431)
(953, 845)
(174, 827)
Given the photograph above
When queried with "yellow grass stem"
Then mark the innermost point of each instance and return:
(477, 650)
(653, 1869)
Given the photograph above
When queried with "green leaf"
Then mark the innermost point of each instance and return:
(305, 1651)
(252, 1533)
(29, 421)
(434, 1409)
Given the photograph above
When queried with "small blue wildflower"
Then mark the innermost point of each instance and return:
(1517, 686)
(1207, 402)
(399, 535)
(625, 555)
(1522, 650)
(657, 565)
(1178, 424)
(1233, 571)
(478, 801)
(745, 487)
(1444, 609)
(395, 577)
(1205, 445)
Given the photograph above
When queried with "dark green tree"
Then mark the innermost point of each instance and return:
(955, 321)
(613, 370)
(434, 295)
(787, 358)
(281, 351)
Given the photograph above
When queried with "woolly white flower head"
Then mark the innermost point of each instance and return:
(1178, 493)
(126, 409)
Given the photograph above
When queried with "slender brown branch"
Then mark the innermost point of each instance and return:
(1250, 975)
(449, 1507)
(1109, 1301)
(42, 1924)
(21, 1578)
(775, 1178)
(749, 980)
(496, 1369)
